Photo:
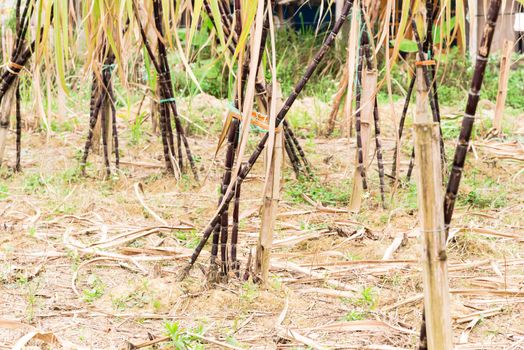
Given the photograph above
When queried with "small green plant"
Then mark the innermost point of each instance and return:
(249, 291)
(34, 184)
(354, 315)
(4, 191)
(137, 131)
(190, 238)
(368, 298)
(182, 339)
(95, 290)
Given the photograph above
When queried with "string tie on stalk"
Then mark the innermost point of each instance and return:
(167, 100)
(13, 67)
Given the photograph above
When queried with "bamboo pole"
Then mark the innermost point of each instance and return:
(437, 323)
(363, 128)
(431, 217)
(269, 210)
(505, 64)
(6, 105)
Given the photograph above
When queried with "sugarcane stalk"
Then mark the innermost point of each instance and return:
(115, 129)
(378, 146)
(376, 117)
(244, 171)
(18, 128)
(165, 87)
(401, 127)
(471, 108)
(261, 90)
(358, 119)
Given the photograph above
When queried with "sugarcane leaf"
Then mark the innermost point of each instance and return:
(195, 19)
(461, 16)
(446, 28)
(406, 45)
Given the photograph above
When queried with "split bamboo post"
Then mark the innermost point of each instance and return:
(431, 221)
(6, 108)
(505, 64)
(269, 209)
(367, 105)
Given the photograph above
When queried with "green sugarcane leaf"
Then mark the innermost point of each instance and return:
(406, 45)
(446, 28)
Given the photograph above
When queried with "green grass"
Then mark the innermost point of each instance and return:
(327, 194)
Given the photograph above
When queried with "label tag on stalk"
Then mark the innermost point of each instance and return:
(259, 121)
(425, 63)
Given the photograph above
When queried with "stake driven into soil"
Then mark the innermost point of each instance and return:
(466, 129)
(244, 171)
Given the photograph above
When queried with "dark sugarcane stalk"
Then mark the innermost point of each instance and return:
(376, 118)
(167, 150)
(20, 60)
(236, 206)
(238, 187)
(221, 230)
(101, 103)
(244, 171)
(471, 108)
(115, 129)
(411, 164)
(235, 265)
(358, 124)
(18, 128)
(289, 131)
(261, 90)
(92, 122)
(295, 164)
(164, 80)
(103, 123)
(165, 89)
(401, 125)
(378, 147)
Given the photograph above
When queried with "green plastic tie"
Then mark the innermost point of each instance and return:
(109, 67)
(167, 100)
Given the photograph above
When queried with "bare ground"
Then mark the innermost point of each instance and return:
(82, 258)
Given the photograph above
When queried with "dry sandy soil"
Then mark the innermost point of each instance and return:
(83, 260)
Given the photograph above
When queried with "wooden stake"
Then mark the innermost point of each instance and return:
(505, 64)
(431, 218)
(6, 107)
(269, 209)
(369, 87)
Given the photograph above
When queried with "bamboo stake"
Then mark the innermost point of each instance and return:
(269, 211)
(505, 64)
(280, 117)
(435, 272)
